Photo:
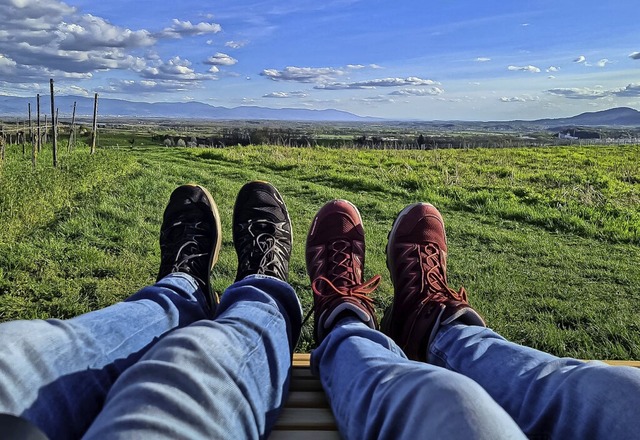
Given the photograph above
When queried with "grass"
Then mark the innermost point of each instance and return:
(546, 241)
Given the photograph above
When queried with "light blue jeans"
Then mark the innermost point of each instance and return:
(481, 386)
(153, 367)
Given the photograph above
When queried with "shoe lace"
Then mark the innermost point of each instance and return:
(343, 283)
(430, 262)
(263, 239)
(188, 236)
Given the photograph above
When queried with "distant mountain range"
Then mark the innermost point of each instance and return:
(11, 106)
(619, 116)
(15, 106)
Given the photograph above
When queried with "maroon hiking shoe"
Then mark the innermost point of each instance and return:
(335, 264)
(423, 302)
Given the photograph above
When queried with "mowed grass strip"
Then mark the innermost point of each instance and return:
(546, 241)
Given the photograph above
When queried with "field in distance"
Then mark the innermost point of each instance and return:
(545, 240)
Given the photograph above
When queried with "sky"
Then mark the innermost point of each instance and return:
(422, 60)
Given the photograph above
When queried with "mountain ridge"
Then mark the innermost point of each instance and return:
(11, 106)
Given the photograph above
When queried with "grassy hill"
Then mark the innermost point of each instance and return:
(546, 241)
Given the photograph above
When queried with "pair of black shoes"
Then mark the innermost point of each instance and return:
(190, 236)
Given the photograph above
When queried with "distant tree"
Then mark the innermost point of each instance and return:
(168, 142)
(421, 141)
(181, 143)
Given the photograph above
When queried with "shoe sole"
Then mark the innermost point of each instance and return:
(216, 250)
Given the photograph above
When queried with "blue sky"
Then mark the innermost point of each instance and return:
(468, 60)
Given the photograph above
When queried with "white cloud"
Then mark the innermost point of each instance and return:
(529, 68)
(303, 74)
(285, 95)
(89, 32)
(630, 91)
(579, 93)
(175, 69)
(483, 59)
(221, 59)
(236, 44)
(325, 77)
(180, 29)
(553, 69)
(634, 55)
(213, 69)
(144, 87)
(603, 62)
(48, 38)
(580, 59)
(381, 82)
(380, 99)
(432, 91)
(524, 98)
(7, 65)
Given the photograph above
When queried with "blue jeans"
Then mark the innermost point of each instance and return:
(489, 388)
(154, 367)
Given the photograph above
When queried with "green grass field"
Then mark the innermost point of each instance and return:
(546, 241)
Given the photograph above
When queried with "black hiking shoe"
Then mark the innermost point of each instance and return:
(262, 233)
(190, 237)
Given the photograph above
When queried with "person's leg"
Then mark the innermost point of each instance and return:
(376, 392)
(56, 373)
(373, 389)
(547, 396)
(226, 378)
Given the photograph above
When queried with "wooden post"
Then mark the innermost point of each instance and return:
(30, 125)
(45, 132)
(54, 123)
(94, 132)
(24, 138)
(2, 145)
(39, 140)
(73, 127)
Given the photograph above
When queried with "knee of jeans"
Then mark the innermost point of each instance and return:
(600, 381)
(454, 389)
(431, 399)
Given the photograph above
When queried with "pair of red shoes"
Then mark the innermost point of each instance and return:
(417, 260)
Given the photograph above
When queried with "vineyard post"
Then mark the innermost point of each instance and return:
(2, 144)
(30, 125)
(24, 138)
(94, 132)
(39, 140)
(73, 127)
(45, 132)
(54, 124)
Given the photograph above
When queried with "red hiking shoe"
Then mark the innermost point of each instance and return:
(335, 263)
(423, 302)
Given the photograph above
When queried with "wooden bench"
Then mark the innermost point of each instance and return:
(307, 414)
